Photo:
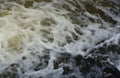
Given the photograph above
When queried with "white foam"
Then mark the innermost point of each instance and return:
(21, 33)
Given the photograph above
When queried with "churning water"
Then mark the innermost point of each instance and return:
(59, 38)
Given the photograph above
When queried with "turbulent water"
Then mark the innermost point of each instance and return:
(59, 38)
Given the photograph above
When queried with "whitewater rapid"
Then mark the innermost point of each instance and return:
(33, 37)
